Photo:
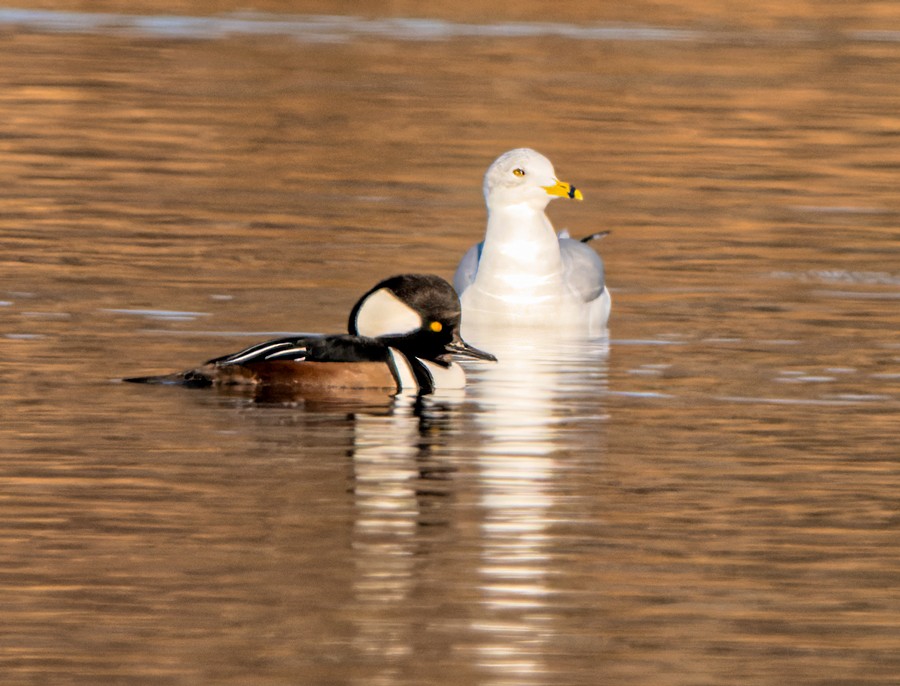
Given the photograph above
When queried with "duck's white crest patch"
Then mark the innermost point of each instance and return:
(384, 314)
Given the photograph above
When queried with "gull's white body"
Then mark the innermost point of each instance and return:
(524, 273)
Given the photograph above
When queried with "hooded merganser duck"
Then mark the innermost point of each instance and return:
(401, 335)
(523, 272)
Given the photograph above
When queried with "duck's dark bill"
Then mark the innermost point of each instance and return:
(460, 347)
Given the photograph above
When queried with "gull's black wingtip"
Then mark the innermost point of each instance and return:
(595, 236)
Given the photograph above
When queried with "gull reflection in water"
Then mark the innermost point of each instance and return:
(528, 402)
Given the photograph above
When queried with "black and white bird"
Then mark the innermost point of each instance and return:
(402, 334)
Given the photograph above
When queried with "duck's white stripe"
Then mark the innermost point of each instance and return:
(255, 351)
(406, 379)
(295, 353)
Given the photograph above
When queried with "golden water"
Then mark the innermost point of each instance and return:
(709, 497)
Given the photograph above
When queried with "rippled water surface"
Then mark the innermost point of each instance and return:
(708, 496)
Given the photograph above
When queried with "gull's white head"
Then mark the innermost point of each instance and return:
(524, 176)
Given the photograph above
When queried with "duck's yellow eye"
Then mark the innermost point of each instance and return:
(519, 172)
(436, 326)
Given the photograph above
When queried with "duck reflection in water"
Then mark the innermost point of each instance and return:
(405, 503)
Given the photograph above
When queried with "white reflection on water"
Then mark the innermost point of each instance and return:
(539, 386)
(530, 409)
(384, 453)
(166, 315)
(385, 449)
(397, 486)
(323, 28)
(526, 402)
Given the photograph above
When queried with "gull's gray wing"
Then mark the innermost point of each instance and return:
(582, 269)
(468, 267)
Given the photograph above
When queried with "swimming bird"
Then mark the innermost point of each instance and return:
(401, 335)
(523, 273)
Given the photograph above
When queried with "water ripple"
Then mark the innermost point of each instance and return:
(841, 276)
(168, 315)
(324, 28)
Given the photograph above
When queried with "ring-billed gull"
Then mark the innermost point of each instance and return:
(523, 273)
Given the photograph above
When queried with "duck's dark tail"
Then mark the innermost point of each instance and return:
(190, 379)
(173, 379)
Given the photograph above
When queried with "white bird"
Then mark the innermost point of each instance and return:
(523, 273)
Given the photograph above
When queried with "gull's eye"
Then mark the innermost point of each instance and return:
(519, 171)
